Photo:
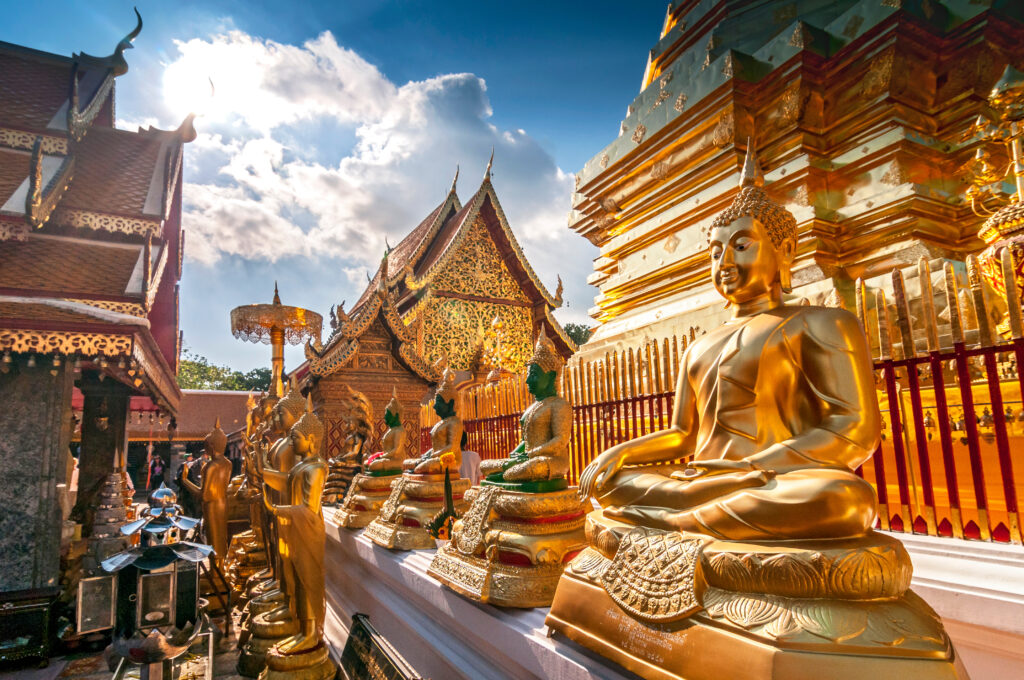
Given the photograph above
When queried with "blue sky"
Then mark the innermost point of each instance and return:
(336, 124)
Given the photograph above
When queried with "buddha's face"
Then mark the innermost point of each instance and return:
(283, 419)
(302, 443)
(744, 263)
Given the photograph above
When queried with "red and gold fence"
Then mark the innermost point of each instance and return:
(949, 389)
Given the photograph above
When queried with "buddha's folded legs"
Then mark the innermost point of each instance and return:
(814, 503)
(540, 467)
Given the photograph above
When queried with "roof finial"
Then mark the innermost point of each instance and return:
(751, 175)
(277, 297)
(490, 163)
(455, 180)
(387, 246)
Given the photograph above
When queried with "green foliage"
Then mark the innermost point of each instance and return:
(579, 333)
(195, 372)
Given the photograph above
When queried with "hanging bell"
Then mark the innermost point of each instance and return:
(31, 363)
(55, 365)
(5, 364)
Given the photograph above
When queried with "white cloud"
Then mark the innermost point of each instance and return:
(310, 151)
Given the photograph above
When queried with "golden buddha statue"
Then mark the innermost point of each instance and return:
(300, 534)
(268, 618)
(524, 523)
(371, 488)
(759, 549)
(417, 495)
(213, 493)
(445, 436)
(348, 463)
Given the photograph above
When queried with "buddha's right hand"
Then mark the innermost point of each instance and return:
(597, 474)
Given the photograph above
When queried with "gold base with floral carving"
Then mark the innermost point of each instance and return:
(413, 502)
(363, 501)
(510, 547)
(672, 606)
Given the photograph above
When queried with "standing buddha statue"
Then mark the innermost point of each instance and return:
(371, 488)
(524, 522)
(756, 558)
(300, 523)
(269, 618)
(213, 493)
(417, 495)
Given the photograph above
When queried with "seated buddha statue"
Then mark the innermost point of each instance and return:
(445, 436)
(418, 494)
(759, 548)
(524, 522)
(371, 488)
(547, 424)
(392, 444)
(358, 428)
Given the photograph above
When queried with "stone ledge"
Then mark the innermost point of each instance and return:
(441, 634)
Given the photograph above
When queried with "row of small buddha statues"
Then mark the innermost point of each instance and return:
(755, 557)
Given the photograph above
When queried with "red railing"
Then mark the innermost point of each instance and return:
(949, 463)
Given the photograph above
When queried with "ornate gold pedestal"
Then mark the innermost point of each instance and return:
(363, 501)
(314, 664)
(669, 606)
(413, 502)
(510, 547)
(338, 480)
(264, 635)
(246, 557)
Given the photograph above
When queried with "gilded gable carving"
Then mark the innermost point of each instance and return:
(478, 269)
(452, 326)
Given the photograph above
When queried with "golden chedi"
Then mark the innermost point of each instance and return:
(756, 559)
(346, 465)
(267, 617)
(417, 495)
(372, 487)
(213, 492)
(524, 522)
(300, 535)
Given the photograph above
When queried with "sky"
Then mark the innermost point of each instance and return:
(333, 127)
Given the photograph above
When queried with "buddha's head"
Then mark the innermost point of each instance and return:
(752, 243)
(444, 400)
(288, 410)
(216, 441)
(543, 368)
(393, 411)
(307, 433)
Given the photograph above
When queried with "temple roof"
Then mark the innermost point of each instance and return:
(90, 218)
(342, 346)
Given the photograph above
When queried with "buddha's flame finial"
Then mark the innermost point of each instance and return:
(751, 175)
(490, 164)
(277, 296)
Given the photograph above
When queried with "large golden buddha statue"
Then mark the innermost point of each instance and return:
(524, 522)
(417, 495)
(756, 558)
(371, 488)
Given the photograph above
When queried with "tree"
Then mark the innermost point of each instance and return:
(579, 332)
(195, 372)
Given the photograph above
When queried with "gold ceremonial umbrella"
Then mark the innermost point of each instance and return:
(275, 324)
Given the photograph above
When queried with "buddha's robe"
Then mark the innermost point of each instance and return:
(301, 537)
(790, 390)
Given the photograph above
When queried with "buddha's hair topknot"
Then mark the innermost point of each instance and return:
(752, 201)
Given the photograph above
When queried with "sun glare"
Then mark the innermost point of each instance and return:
(187, 89)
